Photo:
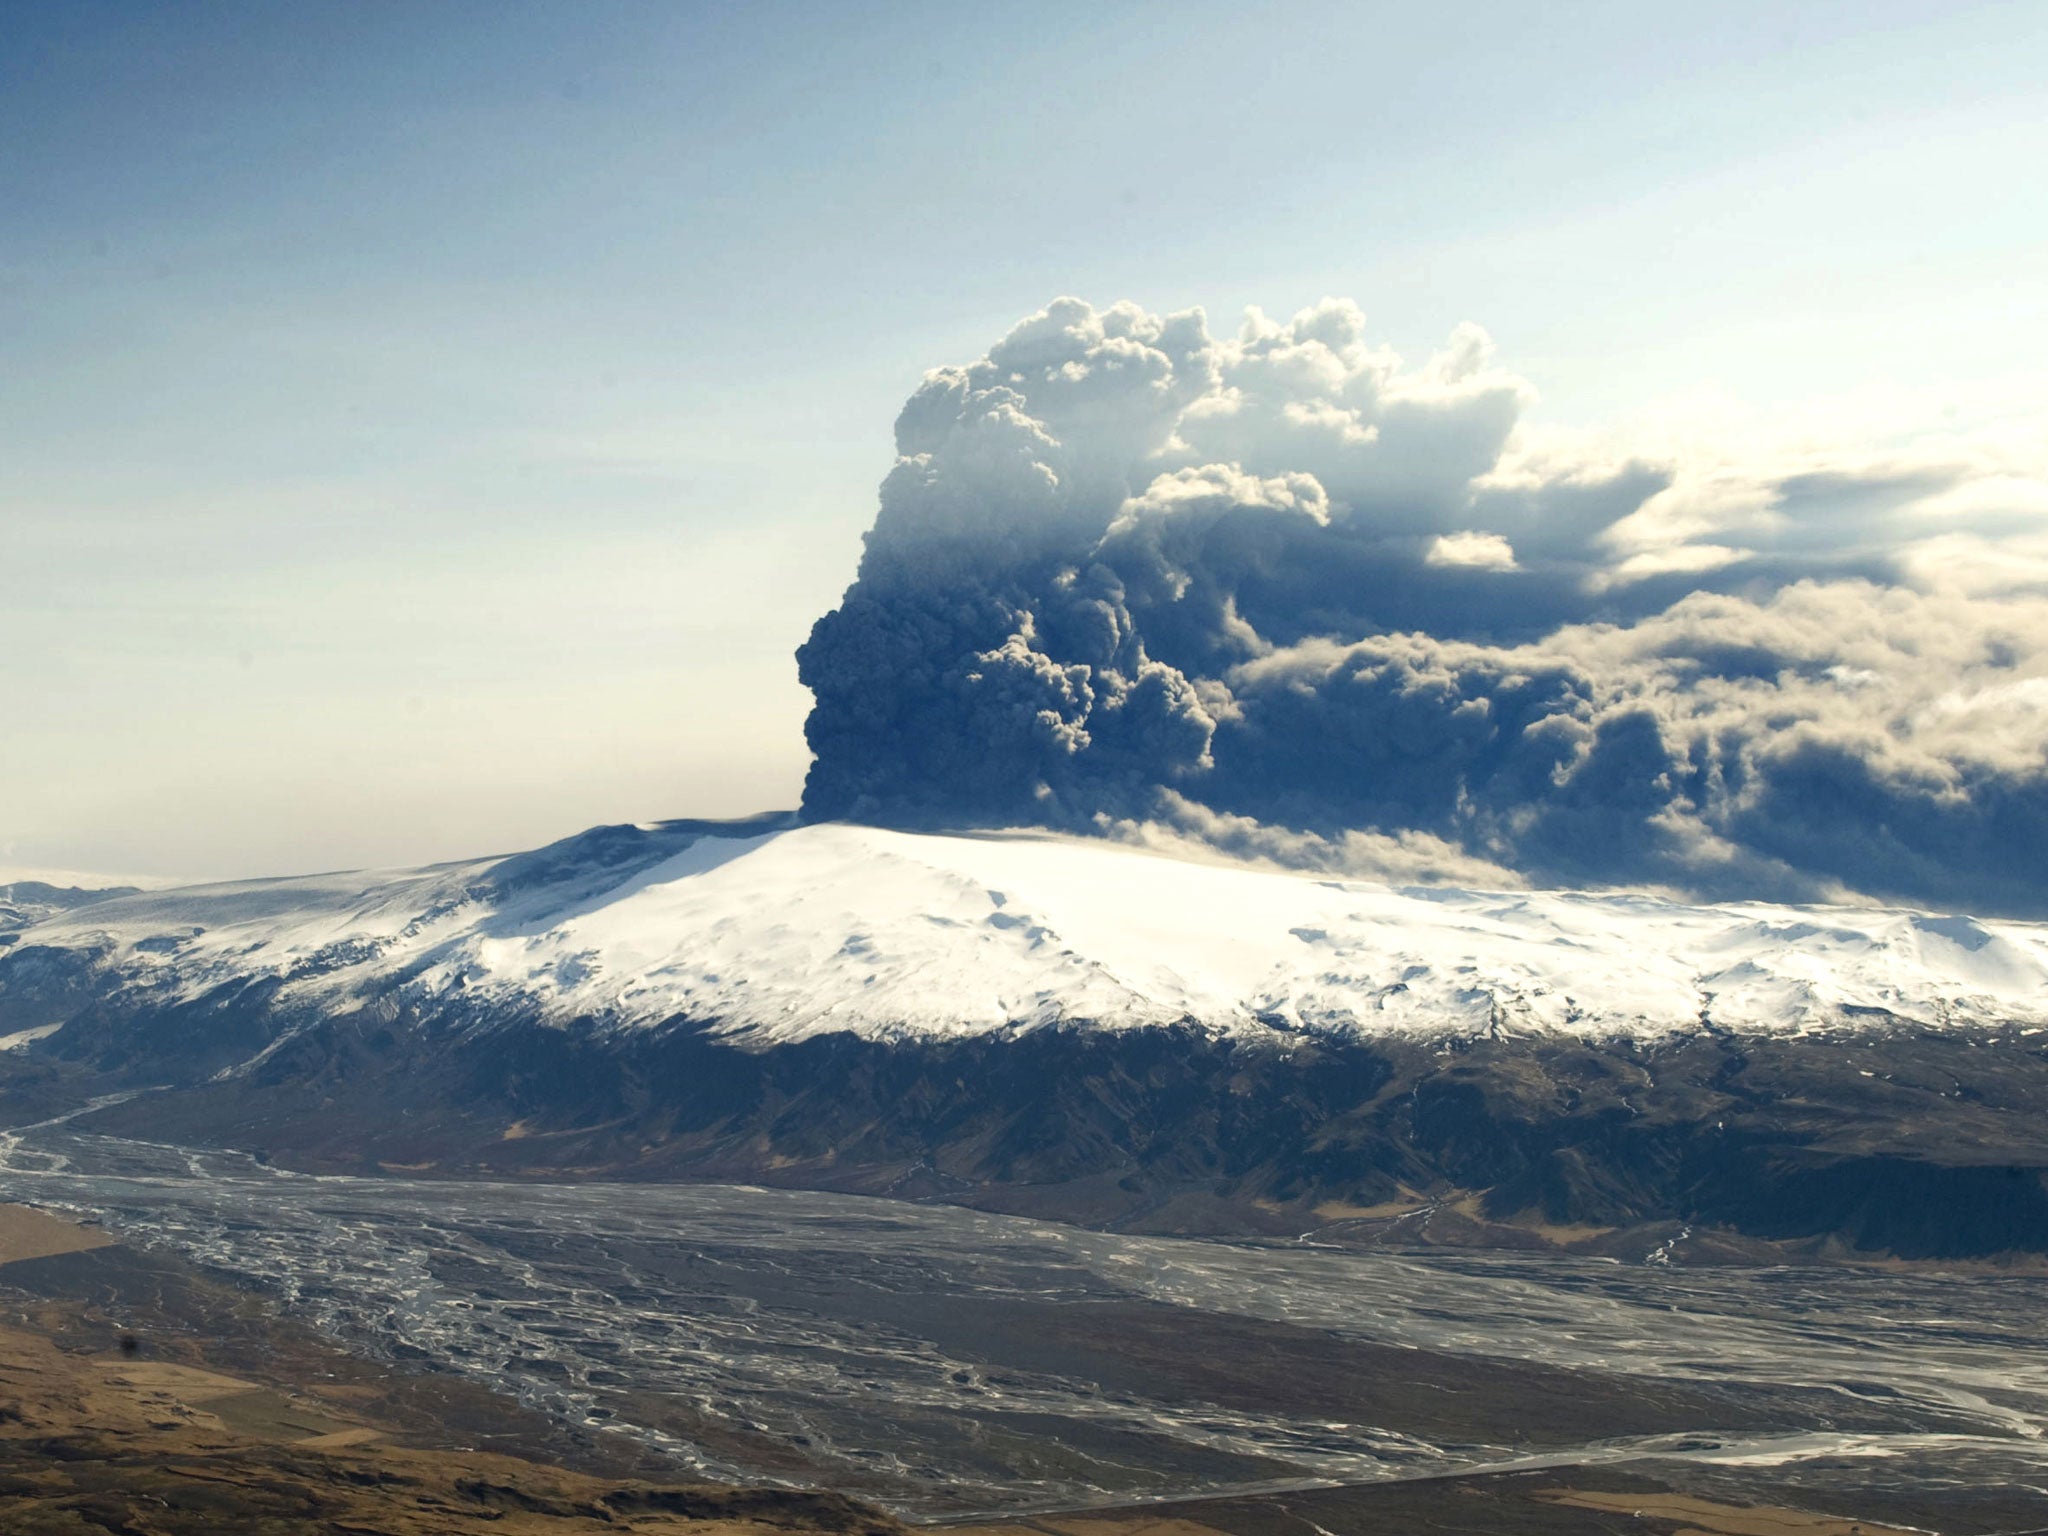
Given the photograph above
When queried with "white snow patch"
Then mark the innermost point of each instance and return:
(21, 1037)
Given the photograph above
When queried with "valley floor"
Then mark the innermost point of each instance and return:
(219, 1417)
(228, 1416)
(140, 1397)
(1573, 1502)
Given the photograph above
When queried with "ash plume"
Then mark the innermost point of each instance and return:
(1282, 594)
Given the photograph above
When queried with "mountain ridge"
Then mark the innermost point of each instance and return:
(769, 932)
(705, 1001)
(24, 903)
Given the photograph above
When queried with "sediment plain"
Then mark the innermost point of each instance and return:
(966, 1368)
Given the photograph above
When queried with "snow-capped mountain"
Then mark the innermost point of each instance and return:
(773, 934)
(1075, 1028)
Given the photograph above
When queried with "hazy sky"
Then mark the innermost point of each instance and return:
(430, 429)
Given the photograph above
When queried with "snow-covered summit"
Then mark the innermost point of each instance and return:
(771, 932)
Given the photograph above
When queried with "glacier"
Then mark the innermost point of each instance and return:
(770, 932)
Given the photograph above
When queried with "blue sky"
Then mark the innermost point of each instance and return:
(430, 429)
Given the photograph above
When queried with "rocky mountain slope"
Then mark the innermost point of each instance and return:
(1074, 1028)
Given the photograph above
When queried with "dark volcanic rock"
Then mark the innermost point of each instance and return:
(1918, 1143)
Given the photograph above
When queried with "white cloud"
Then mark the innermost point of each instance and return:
(1479, 551)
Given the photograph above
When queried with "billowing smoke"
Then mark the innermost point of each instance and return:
(1282, 595)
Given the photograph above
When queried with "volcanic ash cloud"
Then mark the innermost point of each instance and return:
(1283, 594)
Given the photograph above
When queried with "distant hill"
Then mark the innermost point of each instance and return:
(25, 902)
